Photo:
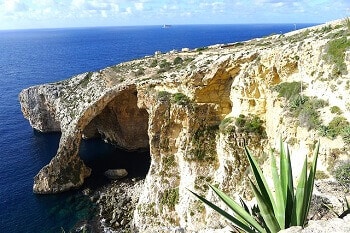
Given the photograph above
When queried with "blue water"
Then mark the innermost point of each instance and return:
(30, 57)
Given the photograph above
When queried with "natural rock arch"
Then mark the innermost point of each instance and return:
(116, 117)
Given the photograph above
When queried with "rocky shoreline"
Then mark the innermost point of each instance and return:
(116, 202)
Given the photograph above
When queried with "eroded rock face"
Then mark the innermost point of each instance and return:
(121, 122)
(187, 116)
(38, 106)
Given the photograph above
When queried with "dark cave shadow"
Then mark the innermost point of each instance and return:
(101, 156)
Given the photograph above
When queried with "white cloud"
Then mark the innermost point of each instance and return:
(127, 11)
(186, 14)
(158, 11)
(278, 4)
(13, 6)
(44, 3)
(93, 8)
(114, 7)
(139, 6)
(215, 7)
(77, 4)
(104, 14)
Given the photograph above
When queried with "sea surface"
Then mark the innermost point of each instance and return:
(31, 57)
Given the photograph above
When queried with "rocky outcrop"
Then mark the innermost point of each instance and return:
(323, 226)
(38, 106)
(194, 111)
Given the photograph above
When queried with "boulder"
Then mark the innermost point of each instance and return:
(332, 225)
(115, 174)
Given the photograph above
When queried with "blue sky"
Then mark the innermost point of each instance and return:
(15, 14)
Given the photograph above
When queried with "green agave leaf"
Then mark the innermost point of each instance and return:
(266, 212)
(244, 205)
(223, 213)
(261, 181)
(310, 183)
(280, 201)
(286, 177)
(299, 207)
(239, 210)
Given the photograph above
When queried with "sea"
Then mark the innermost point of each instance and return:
(37, 56)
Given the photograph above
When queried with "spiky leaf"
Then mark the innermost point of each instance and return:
(265, 210)
(310, 183)
(239, 210)
(286, 178)
(300, 198)
(260, 180)
(228, 216)
(280, 202)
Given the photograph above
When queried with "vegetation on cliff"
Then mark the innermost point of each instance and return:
(288, 207)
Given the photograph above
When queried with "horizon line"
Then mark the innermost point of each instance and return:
(153, 25)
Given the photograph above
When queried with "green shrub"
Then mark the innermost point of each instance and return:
(168, 162)
(326, 29)
(203, 144)
(336, 54)
(308, 117)
(154, 63)
(201, 49)
(347, 23)
(163, 95)
(288, 90)
(139, 72)
(342, 174)
(254, 125)
(289, 206)
(177, 60)
(240, 121)
(346, 134)
(180, 99)
(336, 110)
(305, 109)
(224, 124)
(170, 198)
(250, 124)
(164, 64)
(85, 81)
(337, 126)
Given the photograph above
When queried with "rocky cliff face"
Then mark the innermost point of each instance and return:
(194, 111)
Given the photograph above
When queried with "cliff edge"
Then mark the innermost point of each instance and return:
(194, 110)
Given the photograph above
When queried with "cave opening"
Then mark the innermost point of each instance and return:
(117, 138)
(101, 156)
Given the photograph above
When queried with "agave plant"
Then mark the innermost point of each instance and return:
(289, 206)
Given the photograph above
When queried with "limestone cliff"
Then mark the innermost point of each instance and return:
(194, 111)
